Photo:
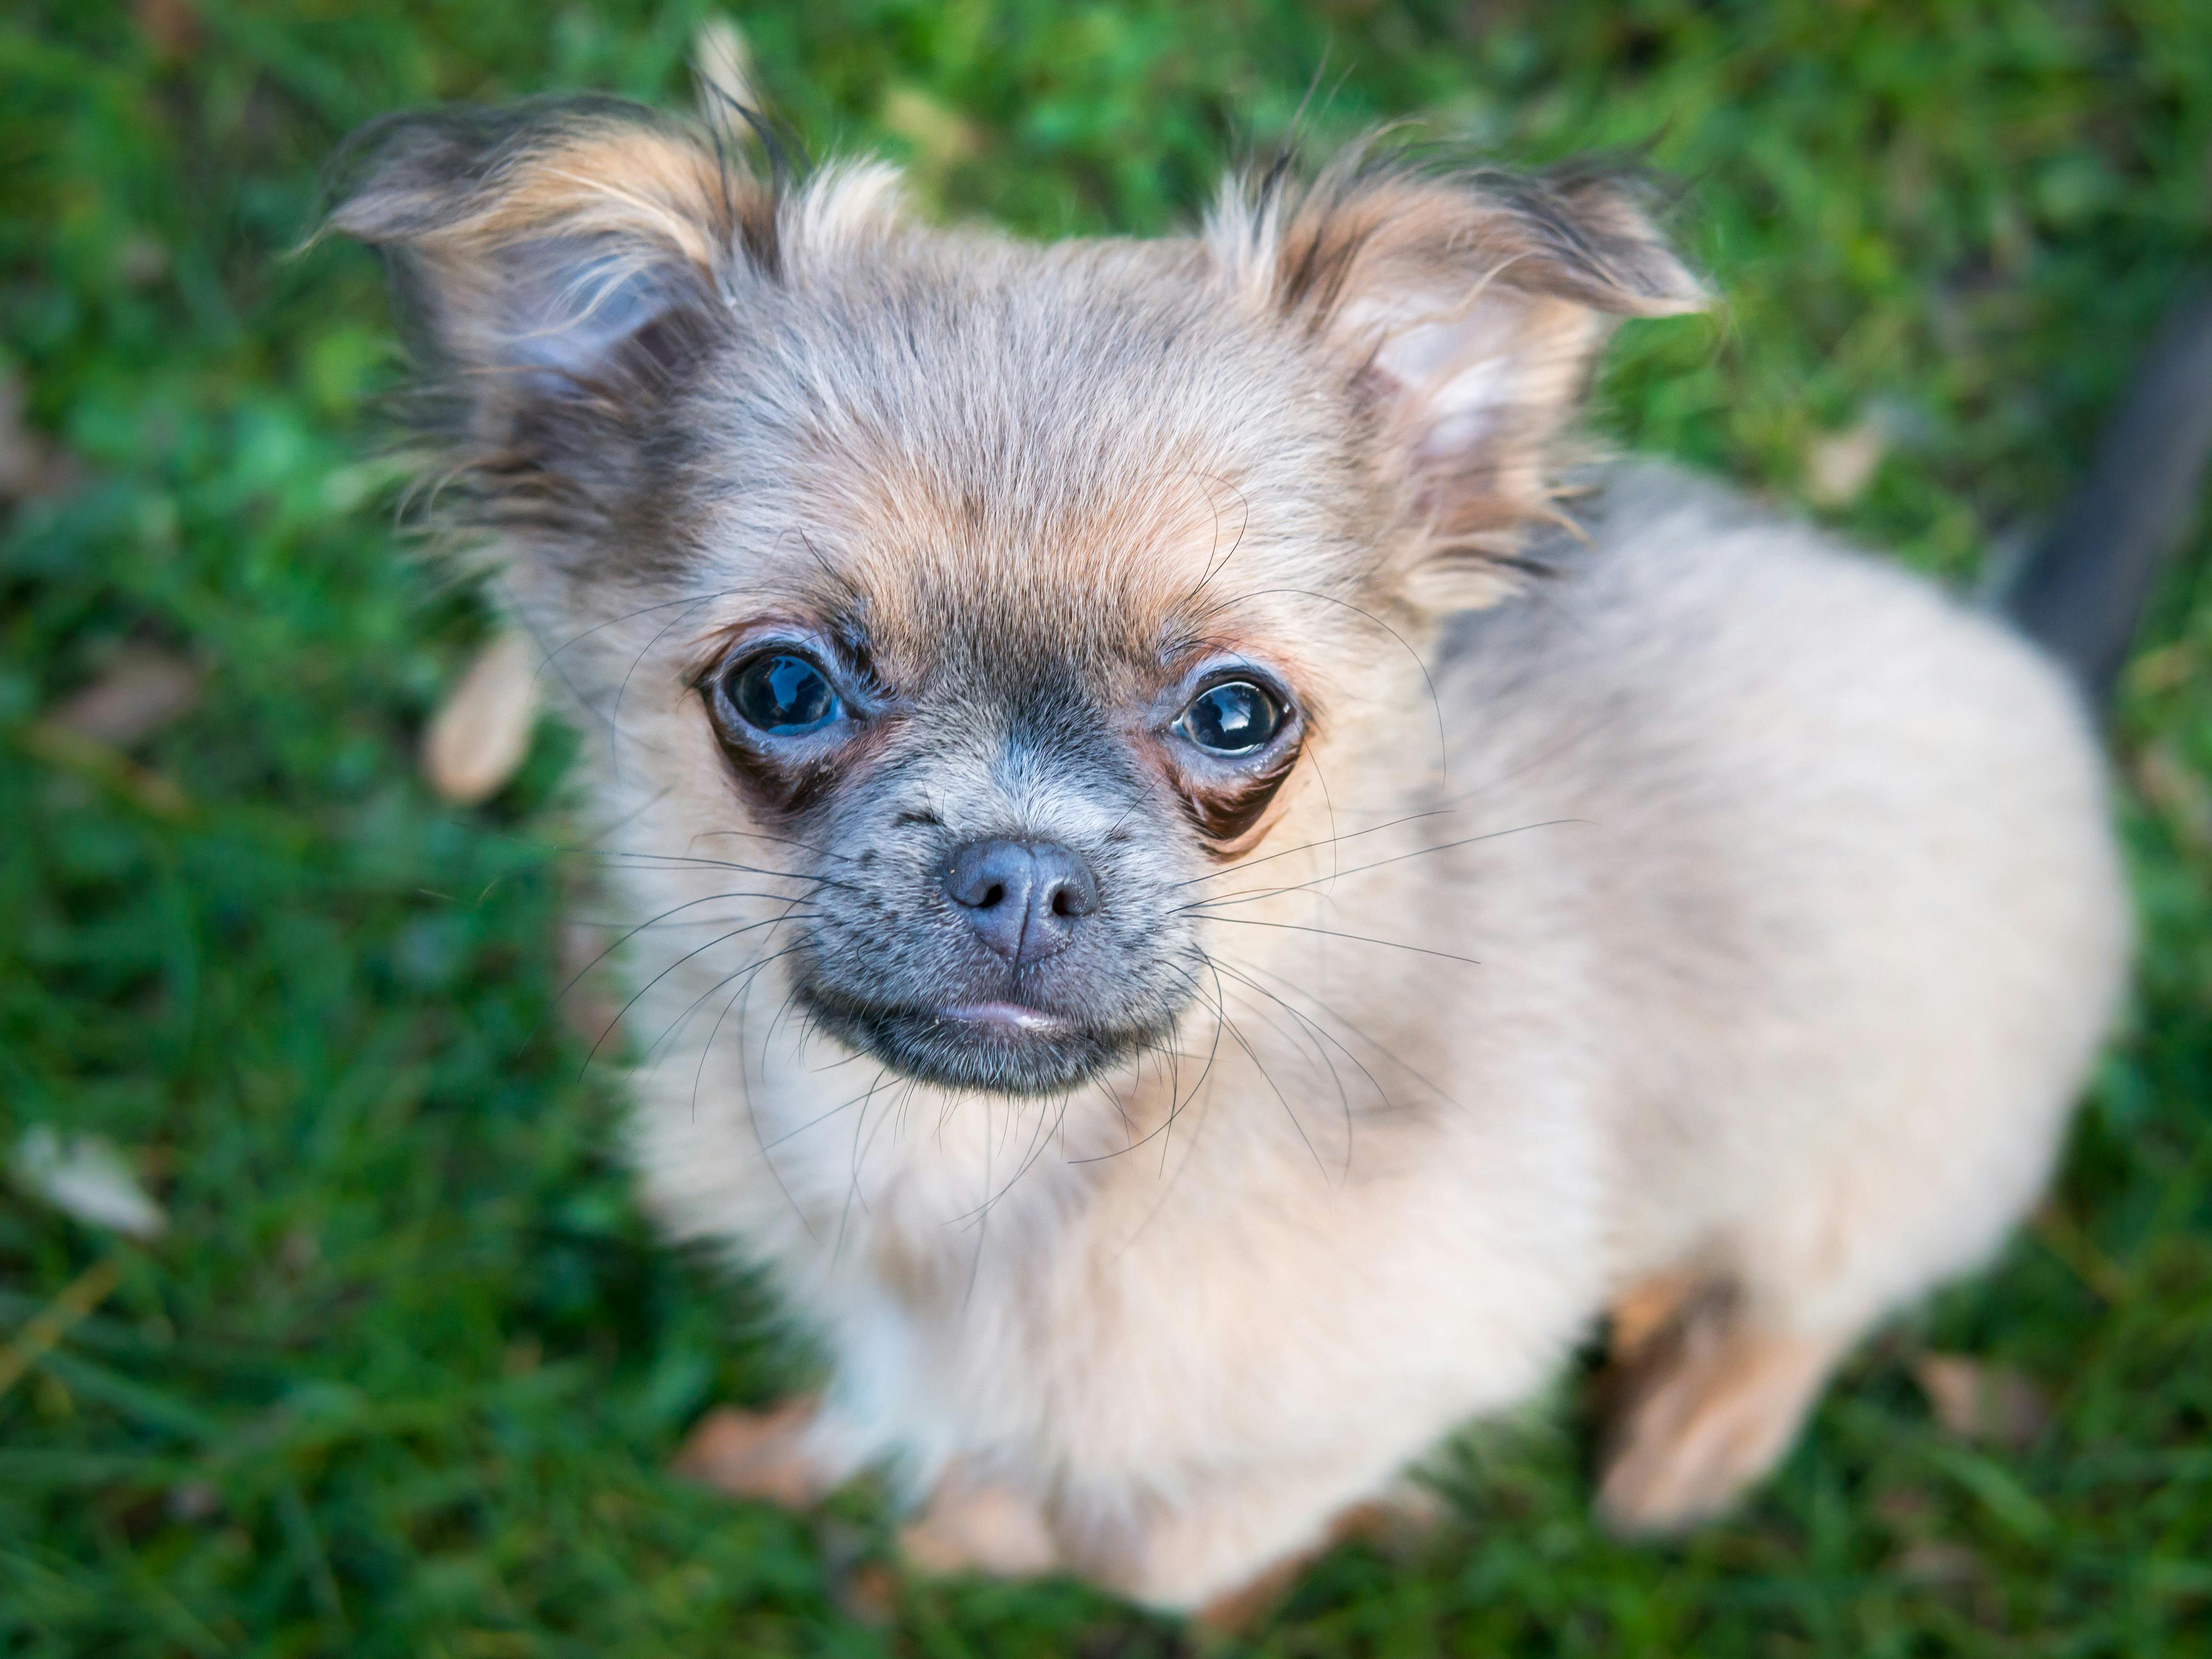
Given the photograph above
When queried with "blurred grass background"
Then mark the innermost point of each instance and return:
(402, 1375)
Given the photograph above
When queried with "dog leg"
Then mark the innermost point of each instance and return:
(1706, 1403)
(976, 1526)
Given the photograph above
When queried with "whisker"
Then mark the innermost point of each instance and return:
(668, 1032)
(1252, 1055)
(655, 921)
(749, 973)
(1176, 1106)
(780, 841)
(824, 1117)
(774, 921)
(614, 716)
(1332, 932)
(1361, 869)
(752, 1108)
(1243, 864)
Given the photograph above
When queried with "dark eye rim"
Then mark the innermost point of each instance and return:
(718, 687)
(1290, 721)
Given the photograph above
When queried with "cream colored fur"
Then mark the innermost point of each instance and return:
(1796, 921)
(1729, 906)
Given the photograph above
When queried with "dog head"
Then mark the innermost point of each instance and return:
(1004, 591)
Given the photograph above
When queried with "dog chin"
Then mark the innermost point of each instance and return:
(1003, 1046)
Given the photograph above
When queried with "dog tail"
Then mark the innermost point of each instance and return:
(2081, 591)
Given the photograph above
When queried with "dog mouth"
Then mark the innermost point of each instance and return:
(1008, 1046)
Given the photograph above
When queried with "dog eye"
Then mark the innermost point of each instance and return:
(1235, 718)
(783, 696)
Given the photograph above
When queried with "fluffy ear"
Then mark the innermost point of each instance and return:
(1464, 310)
(560, 265)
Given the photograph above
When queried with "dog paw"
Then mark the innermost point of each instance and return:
(982, 1527)
(1711, 1410)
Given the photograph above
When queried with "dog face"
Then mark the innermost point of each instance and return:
(1009, 590)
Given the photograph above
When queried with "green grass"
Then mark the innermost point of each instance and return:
(404, 1375)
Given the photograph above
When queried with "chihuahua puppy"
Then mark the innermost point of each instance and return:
(1205, 929)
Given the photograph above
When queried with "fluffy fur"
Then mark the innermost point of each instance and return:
(1715, 926)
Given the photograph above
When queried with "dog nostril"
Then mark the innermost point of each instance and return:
(1022, 898)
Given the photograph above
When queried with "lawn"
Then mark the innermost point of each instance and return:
(403, 1373)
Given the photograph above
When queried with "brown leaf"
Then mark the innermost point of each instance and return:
(1934, 1561)
(1993, 1404)
(1840, 465)
(756, 1455)
(2177, 790)
(143, 691)
(31, 465)
(171, 28)
(481, 737)
(868, 1593)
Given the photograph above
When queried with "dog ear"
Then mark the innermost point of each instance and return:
(561, 269)
(1464, 310)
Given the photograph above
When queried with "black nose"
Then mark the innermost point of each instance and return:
(1021, 898)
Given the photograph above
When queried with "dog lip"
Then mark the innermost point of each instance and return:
(1002, 1017)
(993, 1044)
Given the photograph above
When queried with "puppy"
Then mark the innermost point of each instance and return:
(1204, 934)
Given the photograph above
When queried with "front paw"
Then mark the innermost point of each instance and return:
(970, 1526)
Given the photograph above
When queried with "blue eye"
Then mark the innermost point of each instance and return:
(1235, 718)
(783, 696)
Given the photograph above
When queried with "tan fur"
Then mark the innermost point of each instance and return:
(1723, 905)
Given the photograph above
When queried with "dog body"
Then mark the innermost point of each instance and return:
(1195, 967)
(1772, 923)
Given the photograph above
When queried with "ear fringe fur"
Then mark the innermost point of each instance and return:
(552, 260)
(1394, 239)
(1581, 232)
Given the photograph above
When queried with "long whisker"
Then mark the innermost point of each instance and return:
(774, 921)
(1243, 864)
(780, 841)
(690, 904)
(824, 1117)
(859, 1158)
(749, 973)
(1176, 1107)
(614, 714)
(752, 1108)
(1332, 932)
(1361, 869)
(1251, 1053)
(1382, 1051)
(668, 1032)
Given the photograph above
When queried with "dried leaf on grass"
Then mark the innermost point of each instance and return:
(1938, 1561)
(43, 1330)
(85, 1176)
(143, 690)
(171, 28)
(756, 1455)
(2177, 790)
(31, 464)
(481, 737)
(1840, 465)
(1993, 1404)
